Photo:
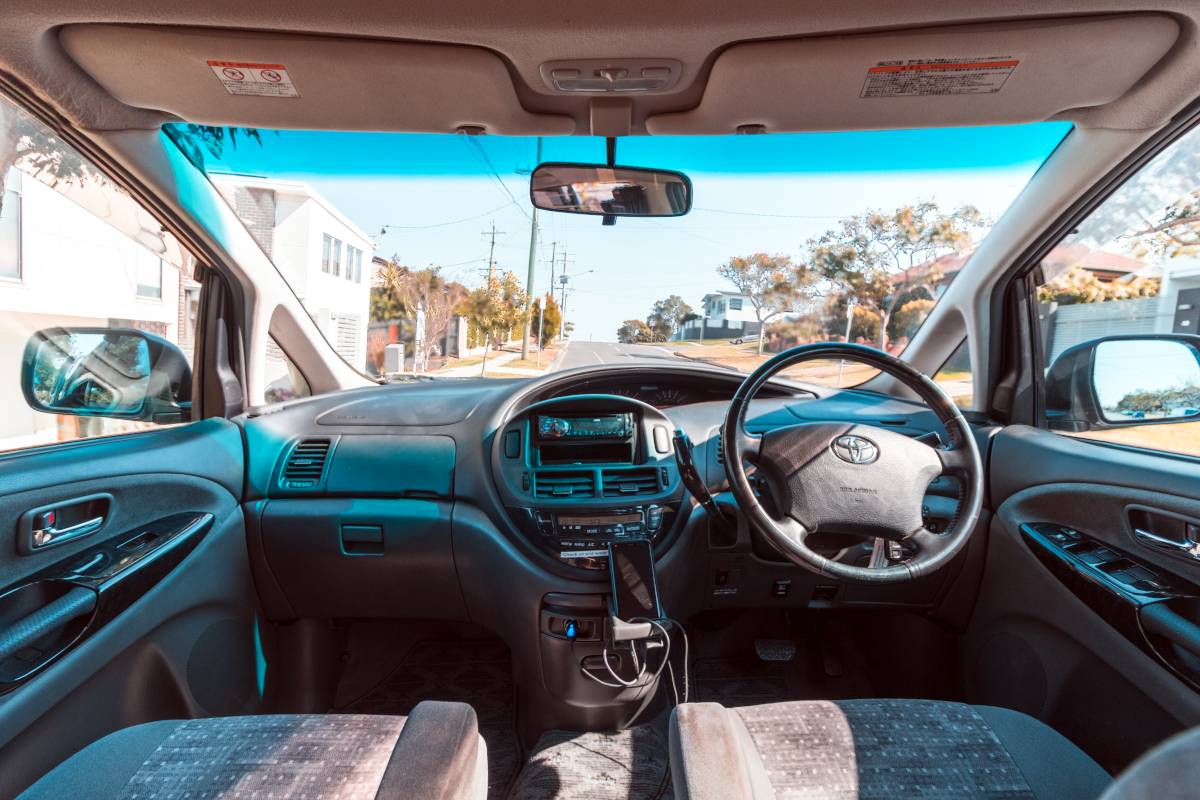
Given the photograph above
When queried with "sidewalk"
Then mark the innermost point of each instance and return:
(472, 370)
(496, 366)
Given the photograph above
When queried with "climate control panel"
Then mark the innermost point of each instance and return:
(580, 536)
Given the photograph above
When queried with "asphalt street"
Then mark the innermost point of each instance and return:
(590, 354)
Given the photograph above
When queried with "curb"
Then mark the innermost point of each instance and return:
(562, 353)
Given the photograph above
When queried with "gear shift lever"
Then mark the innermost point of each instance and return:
(691, 477)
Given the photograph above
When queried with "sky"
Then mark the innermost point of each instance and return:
(439, 195)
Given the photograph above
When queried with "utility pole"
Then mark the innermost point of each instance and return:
(562, 281)
(542, 304)
(533, 233)
(492, 251)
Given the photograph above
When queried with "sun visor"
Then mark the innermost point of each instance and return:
(222, 77)
(993, 73)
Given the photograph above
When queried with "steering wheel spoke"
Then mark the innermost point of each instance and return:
(746, 445)
(955, 460)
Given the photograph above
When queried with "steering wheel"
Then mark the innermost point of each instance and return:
(852, 478)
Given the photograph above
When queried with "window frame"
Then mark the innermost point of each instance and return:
(335, 259)
(19, 195)
(137, 289)
(326, 252)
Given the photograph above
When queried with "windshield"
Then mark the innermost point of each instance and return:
(422, 253)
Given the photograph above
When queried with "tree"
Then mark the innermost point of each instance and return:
(667, 315)
(494, 310)
(424, 290)
(908, 318)
(865, 324)
(546, 326)
(773, 284)
(1160, 402)
(880, 260)
(1079, 285)
(633, 331)
(26, 142)
(386, 303)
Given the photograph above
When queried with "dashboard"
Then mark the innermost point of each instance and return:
(493, 502)
(665, 391)
(530, 477)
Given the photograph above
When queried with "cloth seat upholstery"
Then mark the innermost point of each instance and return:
(869, 749)
(435, 753)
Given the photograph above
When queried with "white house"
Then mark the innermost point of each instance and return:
(325, 257)
(730, 315)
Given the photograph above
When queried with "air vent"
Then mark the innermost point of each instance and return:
(305, 463)
(720, 449)
(563, 484)
(629, 482)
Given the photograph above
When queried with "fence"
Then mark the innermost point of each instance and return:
(1066, 326)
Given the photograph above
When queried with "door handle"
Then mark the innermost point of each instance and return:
(1188, 546)
(48, 534)
(63, 521)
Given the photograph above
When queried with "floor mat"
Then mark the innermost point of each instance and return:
(631, 764)
(825, 664)
(473, 671)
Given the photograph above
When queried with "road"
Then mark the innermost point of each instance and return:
(589, 354)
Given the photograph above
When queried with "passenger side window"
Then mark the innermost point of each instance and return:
(1118, 310)
(283, 380)
(78, 253)
(955, 377)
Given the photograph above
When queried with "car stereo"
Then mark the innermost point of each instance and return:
(602, 426)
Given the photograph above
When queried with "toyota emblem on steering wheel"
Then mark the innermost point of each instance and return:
(855, 449)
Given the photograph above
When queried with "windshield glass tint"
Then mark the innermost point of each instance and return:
(413, 251)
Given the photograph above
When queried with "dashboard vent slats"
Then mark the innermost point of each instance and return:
(306, 462)
(720, 449)
(628, 482)
(550, 485)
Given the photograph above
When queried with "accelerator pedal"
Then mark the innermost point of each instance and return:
(775, 649)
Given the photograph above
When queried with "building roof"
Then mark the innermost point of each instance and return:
(289, 187)
(721, 293)
(1106, 265)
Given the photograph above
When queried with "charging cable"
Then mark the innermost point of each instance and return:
(640, 666)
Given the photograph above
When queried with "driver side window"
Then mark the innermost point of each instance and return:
(1118, 313)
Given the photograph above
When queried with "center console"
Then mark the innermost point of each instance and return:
(577, 473)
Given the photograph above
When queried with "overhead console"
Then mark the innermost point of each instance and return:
(581, 471)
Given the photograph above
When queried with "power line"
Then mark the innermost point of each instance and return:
(765, 214)
(387, 228)
(475, 147)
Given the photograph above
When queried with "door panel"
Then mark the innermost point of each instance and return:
(1039, 643)
(178, 636)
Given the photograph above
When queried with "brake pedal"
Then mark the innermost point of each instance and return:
(775, 649)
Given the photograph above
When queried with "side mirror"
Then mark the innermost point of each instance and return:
(106, 372)
(610, 191)
(1124, 380)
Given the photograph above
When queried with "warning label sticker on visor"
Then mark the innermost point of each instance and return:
(256, 80)
(930, 77)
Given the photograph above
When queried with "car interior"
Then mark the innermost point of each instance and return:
(641, 576)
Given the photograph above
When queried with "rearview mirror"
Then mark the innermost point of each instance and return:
(106, 372)
(1125, 380)
(610, 191)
